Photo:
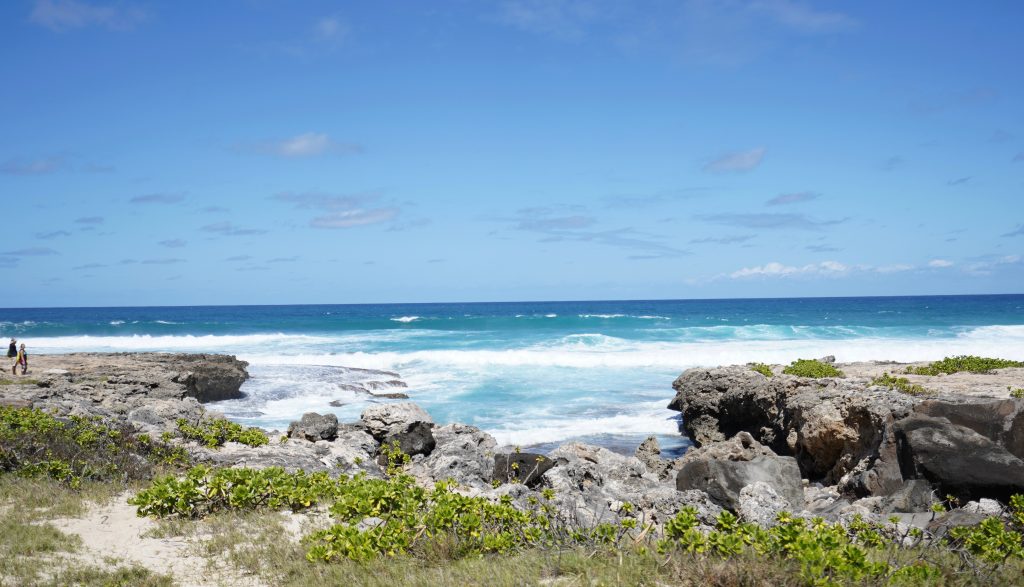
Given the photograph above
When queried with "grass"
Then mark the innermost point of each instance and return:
(898, 383)
(968, 363)
(762, 368)
(34, 552)
(29, 381)
(812, 368)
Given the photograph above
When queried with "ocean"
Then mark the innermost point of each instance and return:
(533, 374)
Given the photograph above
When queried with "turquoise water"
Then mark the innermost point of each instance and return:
(532, 374)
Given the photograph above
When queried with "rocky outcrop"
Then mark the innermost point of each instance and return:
(313, 427)
(866, 440)
(724, 469)
(462, 453)
(405, 423)
(520, 467)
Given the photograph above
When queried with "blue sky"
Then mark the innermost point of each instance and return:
(263, 151)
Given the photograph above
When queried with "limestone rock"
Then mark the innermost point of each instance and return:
(406, 423)
(760, 504)
(313, 427)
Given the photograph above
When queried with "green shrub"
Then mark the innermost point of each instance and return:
(214, 432)
(960, 363)
(761, 368)
(74, 449)
(812, 368)
(1017, 392)
(898, 383)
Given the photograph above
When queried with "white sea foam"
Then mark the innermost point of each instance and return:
(553, 429)
(405, 319)
(116, 322)
(145, 342)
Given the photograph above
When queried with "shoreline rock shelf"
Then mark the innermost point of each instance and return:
(824, 447)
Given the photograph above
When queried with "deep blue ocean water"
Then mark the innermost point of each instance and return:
(531, 373)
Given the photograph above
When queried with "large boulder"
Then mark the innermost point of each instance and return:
(210, 378)
(1001, 421)
(463, 453)
(957, 459)
(405, 423)
(723, 469)
(520, 467)
(314, 427)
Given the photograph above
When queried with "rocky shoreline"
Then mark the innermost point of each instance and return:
(831, 447)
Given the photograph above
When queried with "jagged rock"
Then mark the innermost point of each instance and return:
(313, 427)
(958, 459)
(723, 469)
(760, 504)
(648, 452)
(520, 467)
(406, 423)
(463, 453)
(213, 378)
(390, 395)
(985, 507)
(941, 525)
(335, 403)
(915, 495)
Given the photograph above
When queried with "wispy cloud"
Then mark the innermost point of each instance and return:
(940, 263)
(310, 144)
(331, 29)
(655, 199)
(163, 261)
(988, 264)
(213, 209)
(31, 252)
(54, 234)
(722, 240)
(893, 163)
(238, 258)
(88, 266)
(342, 211)
(736, 161)
(1019, 231)
(174, 243)
(41, 166)
(90, 220)
(8, 262)
(959, 181)
(159, 198)
(229, 229)
(291, 259)
(804, 18)
(564, 20)
(64, 15)
(556, 226)
(822, 248)
(1018, 157)
(792, 198)
(769, 220)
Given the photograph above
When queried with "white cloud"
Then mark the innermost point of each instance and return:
(352, 218)
(32, 167)
(792, 198)
(940, 263)
(737, 161)
(64, 15)
(775, 269)
(330, 29)
(308, 144)
(896, 268)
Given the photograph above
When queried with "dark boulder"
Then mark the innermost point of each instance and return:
(524, 467)
(957, 459)
(314, 427)
(404, 423)
(211, 378)
(723, 469)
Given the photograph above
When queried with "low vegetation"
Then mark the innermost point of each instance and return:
(214, 432)
(812, 368)
(1016, 392)
(762, 368)
(439, 536)
(969, 363)
(72, 450)
(899, 384)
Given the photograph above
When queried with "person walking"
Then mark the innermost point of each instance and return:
(12, 351)
(24, 359)
(19, 360)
